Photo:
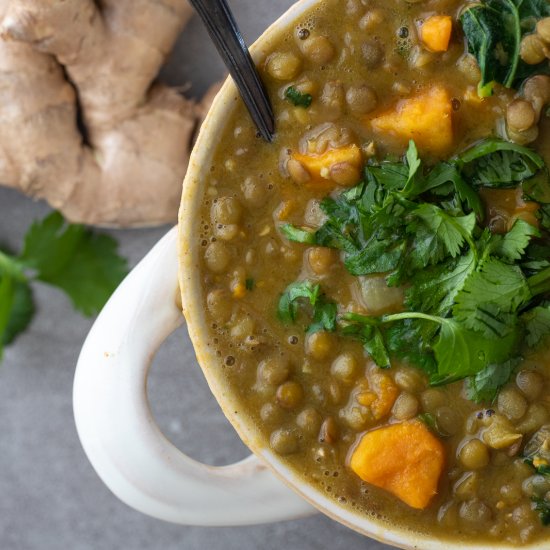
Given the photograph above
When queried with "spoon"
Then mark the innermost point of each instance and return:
(229, 42)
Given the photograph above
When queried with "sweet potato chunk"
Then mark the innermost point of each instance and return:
(341, 166)
(405, 459)
(435, 32)
(380, 396)
(425, 118)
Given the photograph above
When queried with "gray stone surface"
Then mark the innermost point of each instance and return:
(50, 497)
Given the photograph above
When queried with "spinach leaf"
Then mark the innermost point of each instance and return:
(494, 29)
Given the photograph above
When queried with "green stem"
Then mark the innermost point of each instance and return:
(540, 283)
(10, 266)
(412, 315)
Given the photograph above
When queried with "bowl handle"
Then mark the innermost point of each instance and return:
(119, 434)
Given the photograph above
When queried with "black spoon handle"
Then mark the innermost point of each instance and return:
(229, 42)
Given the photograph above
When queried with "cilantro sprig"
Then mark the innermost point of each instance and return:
(473, 299)
(83, 264)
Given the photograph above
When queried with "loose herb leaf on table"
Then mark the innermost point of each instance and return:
(472, 298)
(84, 265)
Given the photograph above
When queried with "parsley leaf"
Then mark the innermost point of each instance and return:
(85, 265)
(297, 98)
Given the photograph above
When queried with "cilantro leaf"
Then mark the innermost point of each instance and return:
(513, 244)
(498, 163)
(493, 289)
(365, 329)
(324, 316)
(410, 340)
(434, 289)
(324, 311)
(542, 506)
(485, 385)
(379, 256)
(450, 230)
(288, 306)
(297, 98)
(537, 325)
(462, 352)
(83, 264)
(21, 314)
(297, 234)
(7, 297)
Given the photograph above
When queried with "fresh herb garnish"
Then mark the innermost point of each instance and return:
(83, 264)
(494, 30)
(297, 98)
(301, 293)
(431, 422)
(542, 506)
(297, 234)
(249, 284)
(472, 298)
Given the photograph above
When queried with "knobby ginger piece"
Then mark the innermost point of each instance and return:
(127, 168)
(405, 459)
(339, 166)
(436, 31)
(425, 118)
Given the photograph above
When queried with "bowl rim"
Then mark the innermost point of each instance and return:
(192, 305)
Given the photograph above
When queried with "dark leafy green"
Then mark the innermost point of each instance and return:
(494, 29)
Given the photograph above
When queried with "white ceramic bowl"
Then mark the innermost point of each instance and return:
(113, 419)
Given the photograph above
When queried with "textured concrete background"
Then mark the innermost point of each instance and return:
(50, 497)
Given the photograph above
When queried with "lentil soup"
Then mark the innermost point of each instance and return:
(376, 280)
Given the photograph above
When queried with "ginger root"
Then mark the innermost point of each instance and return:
(82, 127)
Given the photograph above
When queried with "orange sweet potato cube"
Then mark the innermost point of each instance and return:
(405, 459)
(319, 166)
(425, 118)
(436, 31)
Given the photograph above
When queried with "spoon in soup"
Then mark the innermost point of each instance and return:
(229, 42)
